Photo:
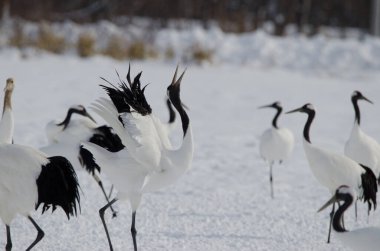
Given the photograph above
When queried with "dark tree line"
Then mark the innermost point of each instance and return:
(232, 15)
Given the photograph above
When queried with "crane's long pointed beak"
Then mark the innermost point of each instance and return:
(295, 110)
(180, 78)
(175, 75)
(177, 82)
(264, 106)
(185, 106)
(366, 99)
(90, 117)
(328, 203)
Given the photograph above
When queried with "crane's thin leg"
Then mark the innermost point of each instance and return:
(8, 247)
(100, 183)
(133, 231)
(101, 214)
(369, 205)
(368, 219)
(40, 234)
(331, 218)
(271, 179)
(369, 208)
(110, 193)
(356, 210)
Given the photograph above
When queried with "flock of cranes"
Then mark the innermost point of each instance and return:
(136, 154)
(134, 151)
(349, 177)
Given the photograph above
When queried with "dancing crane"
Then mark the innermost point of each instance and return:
(148, 162)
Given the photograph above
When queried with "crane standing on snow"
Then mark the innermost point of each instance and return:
(361, 147)
(276, 144)
(28, 178)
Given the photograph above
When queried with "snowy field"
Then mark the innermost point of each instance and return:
(223, 202)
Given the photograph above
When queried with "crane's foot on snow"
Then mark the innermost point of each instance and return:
(114, 214)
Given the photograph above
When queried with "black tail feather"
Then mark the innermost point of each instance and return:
(369, 184)
(103, 137)
(106, 138)
(58, 186)
(87, 160)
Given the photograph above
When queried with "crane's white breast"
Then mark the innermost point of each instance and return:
(20, 167)
(276, 144)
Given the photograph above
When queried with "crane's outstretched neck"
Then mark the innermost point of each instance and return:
(171, 112)
(306, 130)
(354, 101)
(184, 119)
(174, 96)
(274, 122)
(185, 152)
(177, 161)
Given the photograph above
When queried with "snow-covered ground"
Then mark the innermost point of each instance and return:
(223, 202)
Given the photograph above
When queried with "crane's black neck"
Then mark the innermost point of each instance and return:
(354, 101)
(184, 118)
(337, 220)
(306, 130)
(274, 122)
(66, 121)
(171, 112)
(174, 95)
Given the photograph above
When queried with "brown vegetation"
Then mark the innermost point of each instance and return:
(86, 45)
(116, 48)
(201, 55)
(47, 40)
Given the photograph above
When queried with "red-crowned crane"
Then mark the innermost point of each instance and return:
(361, 147)
(148, 161)
(363, 239)
(333, 170)
(65, 138)
(29, 178)
(276, 143)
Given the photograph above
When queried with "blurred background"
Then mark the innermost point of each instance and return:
(192, 31)
(232, 15)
